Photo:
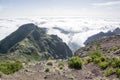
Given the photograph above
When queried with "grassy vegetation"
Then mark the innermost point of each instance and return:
(61, 64)
(47, 69)
(88, 60)
(109, 65)
(109, 72)
(10, 67)
(75, 62)
(96, 53)
(97, 60)
(118, 72)
(115, 62)
(113, 49)
(49, 63)
(103, 65)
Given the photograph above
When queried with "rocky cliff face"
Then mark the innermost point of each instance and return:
(30, 40)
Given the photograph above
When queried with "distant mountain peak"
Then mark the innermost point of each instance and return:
(102, 34)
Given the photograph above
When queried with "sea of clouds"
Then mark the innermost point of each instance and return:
(73, 30)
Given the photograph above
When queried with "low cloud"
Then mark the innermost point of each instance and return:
(111, 3)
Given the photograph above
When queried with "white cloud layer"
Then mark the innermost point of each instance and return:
(111, 3)
(78, 28)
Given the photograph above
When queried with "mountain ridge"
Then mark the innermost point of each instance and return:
(102, 34)
(31, 40)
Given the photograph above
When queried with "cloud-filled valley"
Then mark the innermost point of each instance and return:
(73, 30)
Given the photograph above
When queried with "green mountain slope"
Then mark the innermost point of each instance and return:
(30, 41)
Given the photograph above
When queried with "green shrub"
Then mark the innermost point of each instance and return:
(118, 72)
(99, 59)
(109, 72)
(1, 74)
(47, 70)
(115, 48)
(112, 49)
(103, 65)
(108, 51)
(61, 64)
(87, 60)
(10, 67)
(75, 62)
(96, 60)
(96, 53)
(103, 58)
(50, 63)
(115, 62)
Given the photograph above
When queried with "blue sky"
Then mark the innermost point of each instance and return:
(26, 8)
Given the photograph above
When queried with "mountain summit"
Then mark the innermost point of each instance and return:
(29, 39)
